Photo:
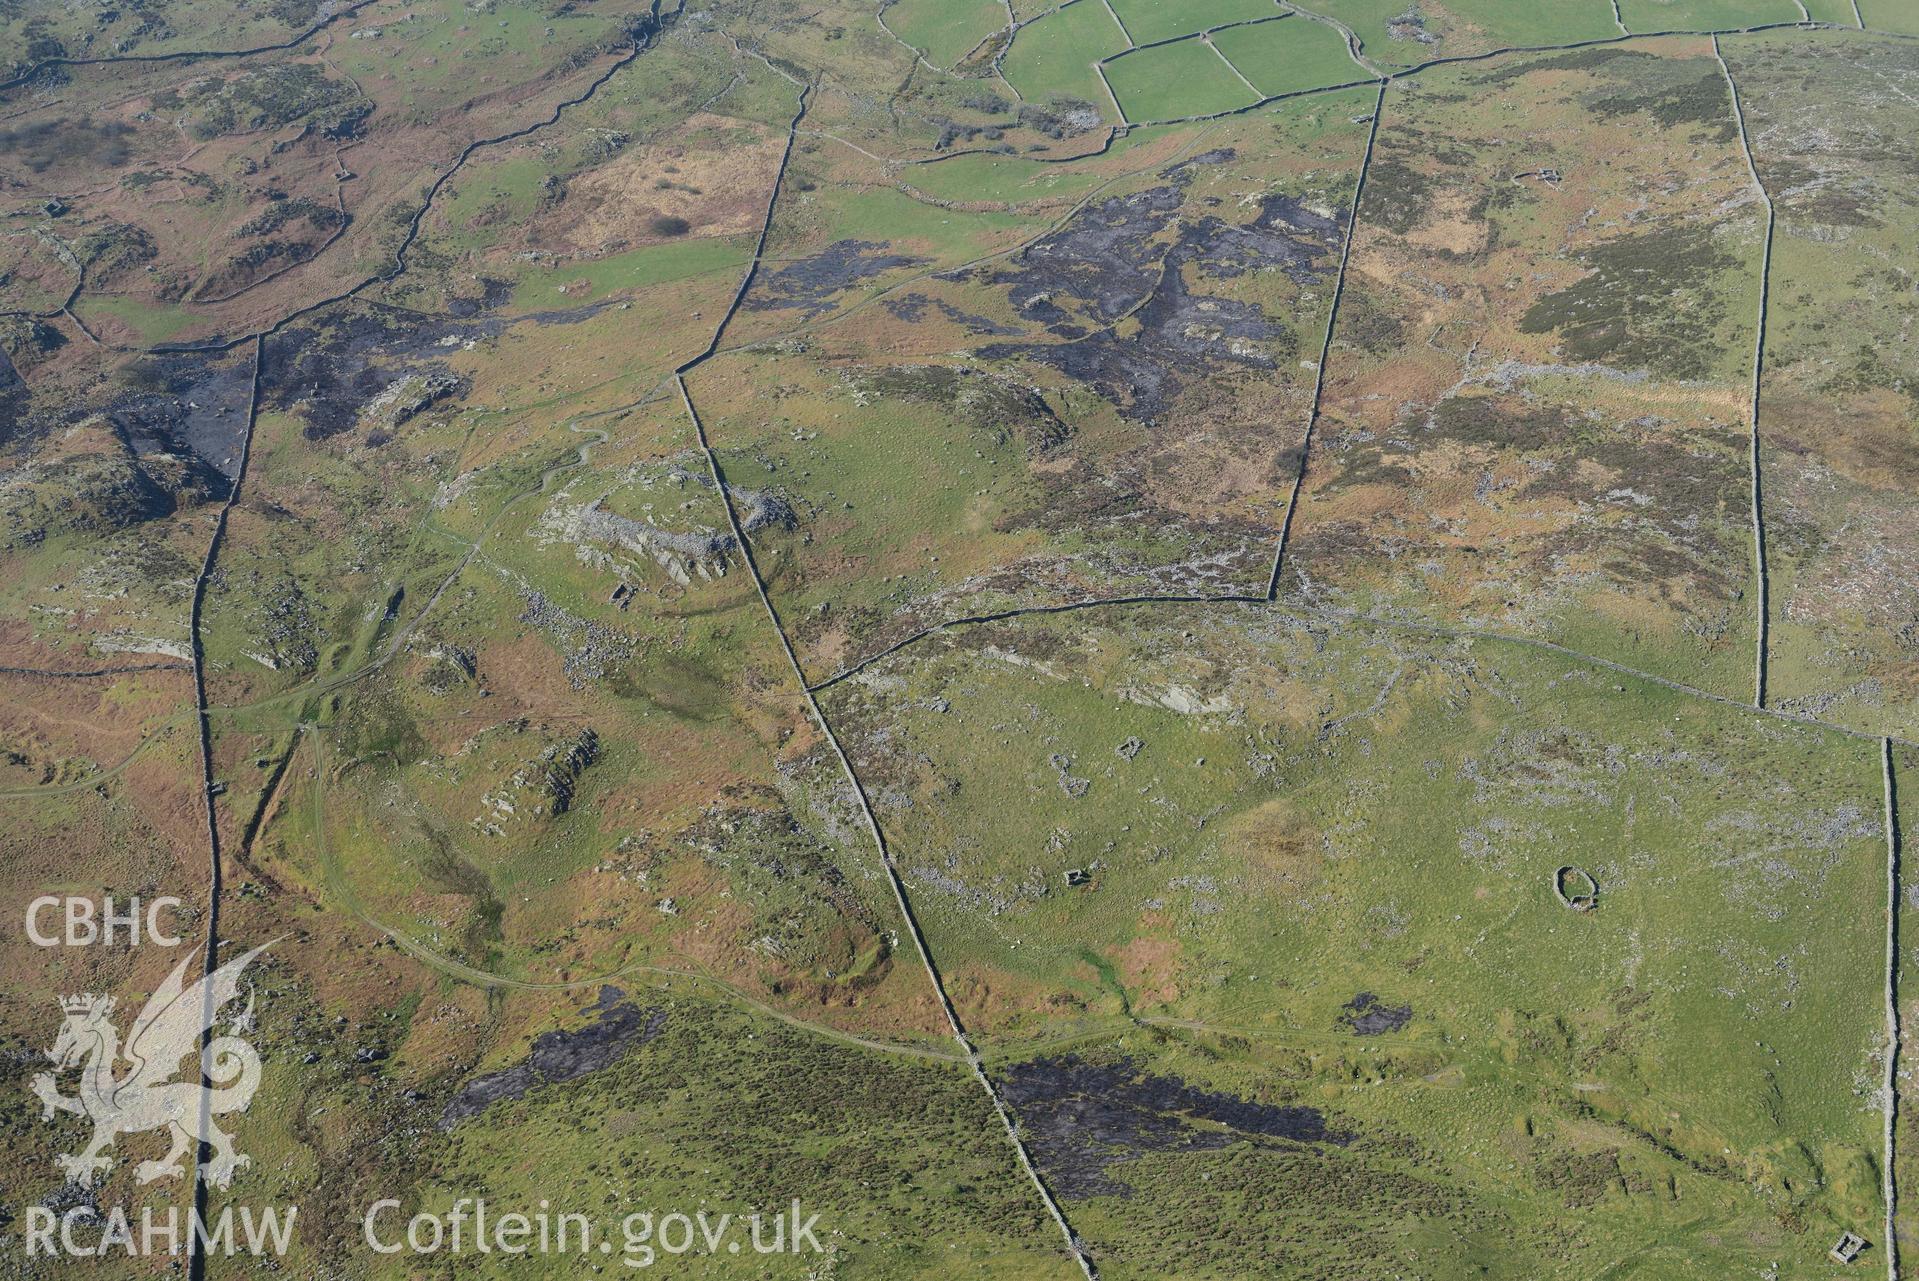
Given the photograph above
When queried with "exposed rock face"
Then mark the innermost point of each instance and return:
(96, 484)
(762, 510)
(411, 395)
(594, 649)
(987, 401)
(544, 787)
(682, 555)
(700, 551)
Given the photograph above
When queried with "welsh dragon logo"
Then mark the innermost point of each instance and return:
(147, 1095)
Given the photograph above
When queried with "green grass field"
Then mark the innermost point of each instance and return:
(1286, 57)
(1054, 57)
(1889, 15)
(1249, 875)
(1170, 82)
(1150, 20)
(943, 30)
(1704, 15)
(1498, 23)
(1838, 11)
(635, 269)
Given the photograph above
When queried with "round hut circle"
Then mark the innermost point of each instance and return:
(1566, 885)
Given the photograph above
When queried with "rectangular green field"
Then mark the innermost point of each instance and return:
(1174, 81)
(1285, 57)
(1150, 20)
(1839, 11)
(945, 30)
(1053, 58)
(1703, 15)
(1890, 15)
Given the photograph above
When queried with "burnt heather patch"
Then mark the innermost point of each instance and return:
(1083, 1119)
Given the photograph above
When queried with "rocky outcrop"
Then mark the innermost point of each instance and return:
(543, 787)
